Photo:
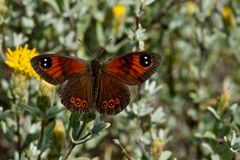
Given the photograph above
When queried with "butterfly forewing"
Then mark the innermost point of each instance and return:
(113, 96)
(56, 69)
(90, 86)
(76, 94)
(132, 68)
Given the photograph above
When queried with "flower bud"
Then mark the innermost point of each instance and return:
(157, 148)
(46, 96)
(192, 7)
(59, 135)
(225, 97)
(228, 17)
(119, 14)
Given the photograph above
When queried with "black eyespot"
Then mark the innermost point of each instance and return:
(111, 103)
(46, 62)
(104, 104)
(84, 103)
(145, 60)
(78, 102)
(72, 100)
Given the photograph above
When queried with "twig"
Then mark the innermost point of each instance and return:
(201, 42)
(69, 151)
(124, 151)
(41, 138)
(19, 137)
(72, 144)
(138, 25)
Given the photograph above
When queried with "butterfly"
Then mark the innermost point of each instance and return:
(94, 86)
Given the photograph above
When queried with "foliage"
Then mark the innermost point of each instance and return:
(189, 109)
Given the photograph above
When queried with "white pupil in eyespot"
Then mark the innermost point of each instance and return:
(45, 60)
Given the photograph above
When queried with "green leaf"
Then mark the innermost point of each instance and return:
(81, 158)
(74, 123)
(206, 148)
(35, 111)
(213, 111)
(29, 139)
(4, 114)
(88, 117)
(76, 119)
(158, 116)
(52, 112)
(165, 155)
(207, 134)
(98, 125)
(57, 5)
(46, 141)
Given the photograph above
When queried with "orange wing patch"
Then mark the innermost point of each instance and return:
(56, 69)
(133, 68)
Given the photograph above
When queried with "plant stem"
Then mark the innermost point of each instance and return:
(41, 138)
(72, 144)
(69, 151)
(201, 43)
(18, 135)
(124, 151)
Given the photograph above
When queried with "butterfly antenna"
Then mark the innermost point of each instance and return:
(84, 45)
(102, 49)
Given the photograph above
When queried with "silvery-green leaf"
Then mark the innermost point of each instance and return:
(206, 148)
(165, 155)
(213, 111)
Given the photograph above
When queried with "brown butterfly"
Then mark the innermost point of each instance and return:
(89, 86)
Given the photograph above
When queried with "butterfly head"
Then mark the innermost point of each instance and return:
(95, 64)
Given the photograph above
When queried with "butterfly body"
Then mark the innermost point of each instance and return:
(90, 86)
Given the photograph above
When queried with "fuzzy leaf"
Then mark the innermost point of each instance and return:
(52, 112)
(35, 111)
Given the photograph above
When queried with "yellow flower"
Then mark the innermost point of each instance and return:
(3, 7)
(59, 134)
(228, 17)
(157, 148)
(192, 7)
(19, 60)
(225, 98)
(119, 13)
(119, 10)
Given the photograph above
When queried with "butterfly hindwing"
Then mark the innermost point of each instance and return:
(56, 69)
(91, 86)
(132, 68)
(113, 96)
(76, 94)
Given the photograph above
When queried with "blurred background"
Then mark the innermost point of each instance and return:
(189, 109)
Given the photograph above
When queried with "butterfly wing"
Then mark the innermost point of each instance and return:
(76, 94)
(132, 68)
(56, 69)
(113, 96)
